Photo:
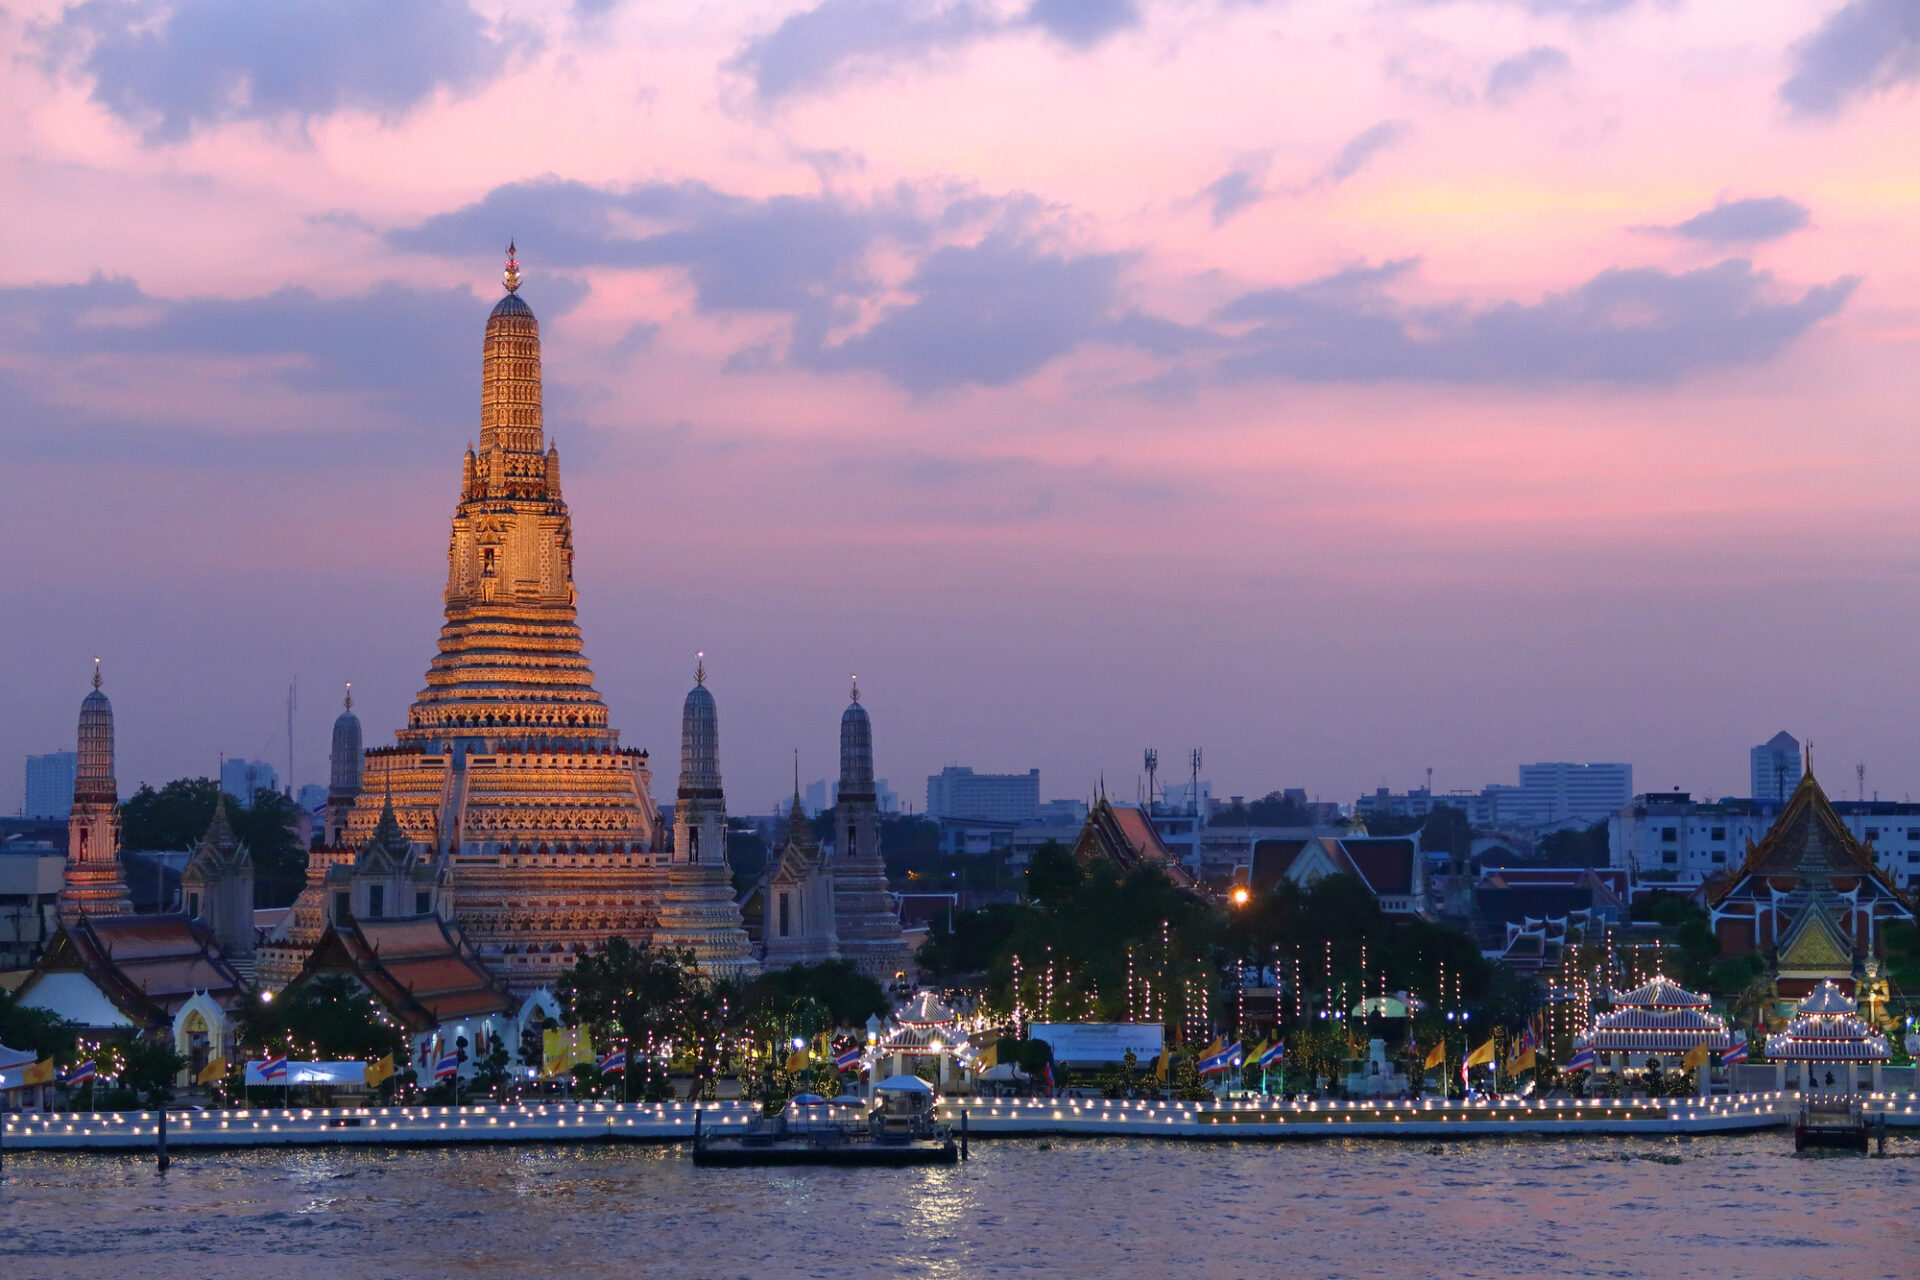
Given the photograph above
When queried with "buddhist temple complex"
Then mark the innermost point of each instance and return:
(508, 772)
(1809, 898)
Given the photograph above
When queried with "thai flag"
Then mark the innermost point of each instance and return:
(1735, 1054)
(1271, 1058)
(614, 1064)
(848, 1060)
(81, 1074)
(1582, 1060)
(274, 1068)
(447, 1066)
(1225, 1060)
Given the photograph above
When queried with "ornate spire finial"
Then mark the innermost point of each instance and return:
(96, 673)
(511, 276)
(349, 695)
(856, 687)
(700, 667)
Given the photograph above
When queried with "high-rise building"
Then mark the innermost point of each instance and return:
(241, 778)
(1774, 767)
(959, 792)
(50, 784)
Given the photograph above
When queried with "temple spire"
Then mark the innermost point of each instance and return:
(700, 667)
(511, 276)
(96, 673)
(349, 695)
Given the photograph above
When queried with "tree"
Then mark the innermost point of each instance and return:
(179, 813)
(330, 1015)
(148, 1068)
(1053, 877)
(1274, 809)
(1575, 848)
(635, 993)
(41, 1030)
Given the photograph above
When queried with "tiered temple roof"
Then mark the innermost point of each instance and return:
(1658, 1016)
(1826, 1028)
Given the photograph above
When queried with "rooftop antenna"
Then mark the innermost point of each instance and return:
(293, 700)
(1860, 777)
(1153, 767)
(1193, 795)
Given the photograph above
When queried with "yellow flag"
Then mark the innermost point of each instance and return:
(582, 1040)
(989, 1057)
(1160, 1067)
(378, 1071)
(1482, 1056)
(39, 1073)
(796, 1061)
(1259, 1051)
(556, 1050)
(1438, 1056)
(1696, 1057)
(215, 1069)
(1524, 1061)
(1213, 1050)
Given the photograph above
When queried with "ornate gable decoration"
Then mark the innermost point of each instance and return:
(1809, 839)
(1814, 942)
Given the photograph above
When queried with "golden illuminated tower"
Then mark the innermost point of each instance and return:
(507, 769)
(94, 884)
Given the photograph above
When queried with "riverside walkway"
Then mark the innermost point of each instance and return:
(985, 1118)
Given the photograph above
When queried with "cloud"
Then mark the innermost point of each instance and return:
(991, 314)
(1735, 221)
(837, 40)
(1625, 325)
(1511, 77)
(406, 354)
(169, 68)
(1362, 148)
(1232, 192)
(784, 253)
(1863, 48)
(1083, 23)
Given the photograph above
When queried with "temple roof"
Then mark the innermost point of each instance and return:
(1825, 1029)
(1660, 992)
(148, 966)
(421, 969)
(1128, 837)
(1809, 838)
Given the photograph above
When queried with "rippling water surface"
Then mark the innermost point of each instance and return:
(1725, 1207)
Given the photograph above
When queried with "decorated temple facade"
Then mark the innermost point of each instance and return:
(1808, 897)
(796, 898)
(1655, 1025)
(866, 918)
(509, 769)
(94, 883)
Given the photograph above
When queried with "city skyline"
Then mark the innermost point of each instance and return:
(1497, 384)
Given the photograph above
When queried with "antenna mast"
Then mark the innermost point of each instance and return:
(293, 699)
(1153, 767)
(1193, 794)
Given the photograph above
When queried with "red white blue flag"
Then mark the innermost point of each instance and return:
(447, 1066)
(1735, 1054)
(81, 1074)
(274, 1068)
(614, 1064)
(848, 1060)
(1582, 1060)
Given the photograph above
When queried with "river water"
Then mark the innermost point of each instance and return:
(1723, 1207)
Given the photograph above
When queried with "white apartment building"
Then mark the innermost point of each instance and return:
(1669, 835)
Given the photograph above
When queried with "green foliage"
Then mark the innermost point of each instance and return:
(811, 998)
(1271, 810)
(1730, 978)
(746, 853)
(636, 994)
(975, 940)
(41, 1030)
(1053, 876)
(330, 1016)
(1185, 1080)
(178, 814)
(1575, 848)
(1902, 941)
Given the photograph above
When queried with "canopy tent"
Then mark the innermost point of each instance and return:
(903, 1084)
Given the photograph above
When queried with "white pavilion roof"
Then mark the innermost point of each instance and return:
(1660, 992)
(1828, 1030)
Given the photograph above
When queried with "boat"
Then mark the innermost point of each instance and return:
(1831, 1123)
(900, 1129)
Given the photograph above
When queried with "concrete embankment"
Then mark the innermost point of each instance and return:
(986, 1117)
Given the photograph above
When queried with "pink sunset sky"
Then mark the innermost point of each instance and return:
(1345, 389)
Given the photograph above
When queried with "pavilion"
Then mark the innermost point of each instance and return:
(1830, 1043)
(1656, 1024)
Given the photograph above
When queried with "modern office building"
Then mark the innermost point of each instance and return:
(1775, 768)
(50, 784)
(241, 778)
(1669, 836)
(959, 792)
